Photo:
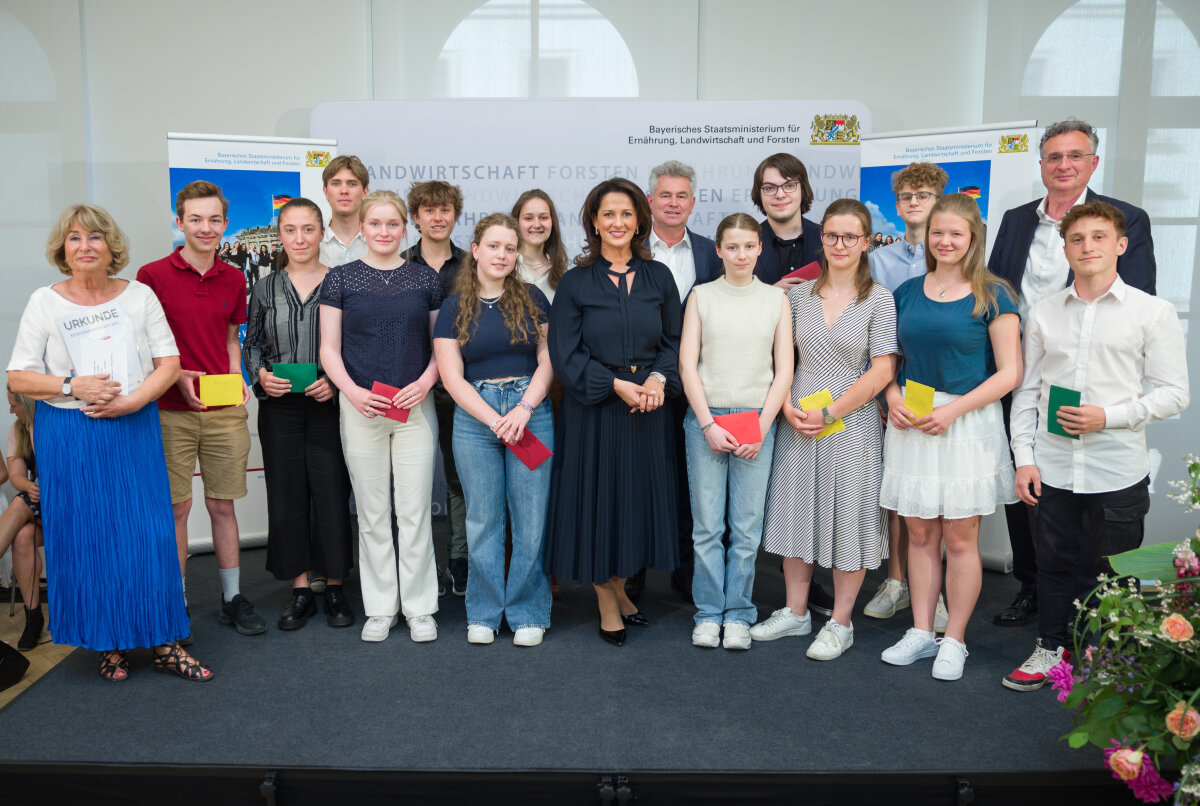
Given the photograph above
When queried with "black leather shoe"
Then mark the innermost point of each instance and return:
(681, 580)
(819, 600)
(635, 585)
(34, 622)
(1022, 611)
(337, 609)
(614, 637)
(636, 620)
(297, 613)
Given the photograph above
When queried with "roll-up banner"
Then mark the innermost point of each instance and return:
(495, 150)
(997, 164)
(257, 175)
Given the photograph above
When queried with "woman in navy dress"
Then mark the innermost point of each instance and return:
(614, 344)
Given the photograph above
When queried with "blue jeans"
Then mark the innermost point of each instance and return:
(493, 479)
(723, 580)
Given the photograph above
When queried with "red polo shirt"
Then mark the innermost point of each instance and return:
(200, 309)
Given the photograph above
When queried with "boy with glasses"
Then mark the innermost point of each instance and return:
(781, 191)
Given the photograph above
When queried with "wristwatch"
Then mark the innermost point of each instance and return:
(829, 418)
(66, 387)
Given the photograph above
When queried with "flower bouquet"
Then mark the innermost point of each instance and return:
(1136, 691)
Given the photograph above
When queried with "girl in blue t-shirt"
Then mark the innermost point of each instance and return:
(959, 333)
(490, 344)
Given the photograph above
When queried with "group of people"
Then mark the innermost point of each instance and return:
(254, 263)
(668, 402)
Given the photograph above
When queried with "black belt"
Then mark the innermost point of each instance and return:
(633, 368)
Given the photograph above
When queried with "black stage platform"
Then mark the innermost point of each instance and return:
(318, 716)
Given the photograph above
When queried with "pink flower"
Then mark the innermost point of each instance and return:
(1125, 762)
(1062, 679)
(1176, 628)
(1149, 786)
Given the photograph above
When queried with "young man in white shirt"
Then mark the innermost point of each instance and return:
(346, 183)
(1108, 341)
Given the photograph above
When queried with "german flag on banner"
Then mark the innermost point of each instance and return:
(970, 190)
(279, 199)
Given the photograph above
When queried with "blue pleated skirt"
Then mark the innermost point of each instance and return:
(112, 570)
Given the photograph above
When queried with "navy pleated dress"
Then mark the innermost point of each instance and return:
(612, 488)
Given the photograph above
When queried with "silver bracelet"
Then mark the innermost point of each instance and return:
(705, 428)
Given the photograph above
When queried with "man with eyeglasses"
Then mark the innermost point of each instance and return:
(782, 192)
(1029, 254)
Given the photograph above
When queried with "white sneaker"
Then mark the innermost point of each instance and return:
(951, 656)
(941, 616)
(915, 644)
(831, 641)
(528, 636)
(891, 596)
(737, 635)
(1035, 672)
(422, 629)
(706, 634)
(377, 627)
(476, 633)
(782, 623)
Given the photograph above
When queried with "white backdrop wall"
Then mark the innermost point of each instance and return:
(88, 88)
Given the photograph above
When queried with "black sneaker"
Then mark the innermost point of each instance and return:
(819, 600)
(240, 613)
(458, 576)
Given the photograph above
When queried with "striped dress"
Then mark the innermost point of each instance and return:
(823, 497)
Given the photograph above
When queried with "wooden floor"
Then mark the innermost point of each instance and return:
(41, 660)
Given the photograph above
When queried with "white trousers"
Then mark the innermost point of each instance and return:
(377, 451)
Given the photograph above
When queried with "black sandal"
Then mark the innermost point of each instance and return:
(177, 661)
(113, 665)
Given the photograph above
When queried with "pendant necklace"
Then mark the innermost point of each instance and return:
(491, 303)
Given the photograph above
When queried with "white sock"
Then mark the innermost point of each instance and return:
(230, 582)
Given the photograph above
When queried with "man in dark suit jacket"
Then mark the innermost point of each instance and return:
(782, 192)
(1028, 253)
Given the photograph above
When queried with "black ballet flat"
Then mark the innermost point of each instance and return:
(636, 620)
(614, 637)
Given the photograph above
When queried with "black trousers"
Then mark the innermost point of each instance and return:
(1020, 520)
(308, 488)
(679, 407)
(1075, 532)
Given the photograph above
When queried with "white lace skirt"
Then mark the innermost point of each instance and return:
(965, 471)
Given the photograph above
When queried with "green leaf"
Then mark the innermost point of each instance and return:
(1106, 707)
(1180, 744)
(1147, 562)
(1078, 739)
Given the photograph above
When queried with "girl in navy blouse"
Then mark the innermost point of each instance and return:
(490, 343)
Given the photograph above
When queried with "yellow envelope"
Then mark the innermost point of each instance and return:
(818, 401)
(918, 398)
(221, 390)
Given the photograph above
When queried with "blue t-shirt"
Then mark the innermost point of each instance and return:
(944, 346)
(489, 351)
(385, 319)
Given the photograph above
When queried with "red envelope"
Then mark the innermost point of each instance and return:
(810, 272)
(392, 413)
(742, 426)
(530, 450)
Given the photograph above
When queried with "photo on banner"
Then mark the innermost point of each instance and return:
(997, 165)
(257, 175)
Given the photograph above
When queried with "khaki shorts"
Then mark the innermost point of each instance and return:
(220, 439)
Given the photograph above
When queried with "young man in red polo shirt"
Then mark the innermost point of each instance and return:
(205, 302)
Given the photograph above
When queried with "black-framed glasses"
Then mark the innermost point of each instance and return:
(921, 196)
(769, 189)
(830, 239)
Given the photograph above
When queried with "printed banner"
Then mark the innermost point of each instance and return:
(495, 150)
(996, 164)
(257, 175)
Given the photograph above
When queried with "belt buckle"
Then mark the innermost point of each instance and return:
(633, 368)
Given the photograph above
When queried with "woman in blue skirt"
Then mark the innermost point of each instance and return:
(96, 352)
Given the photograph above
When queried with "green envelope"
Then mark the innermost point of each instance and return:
(1060, 396)
(302, 376)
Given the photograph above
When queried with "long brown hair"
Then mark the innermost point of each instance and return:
(862, 275)
(591, 208)
(556, 251)
(521, 316)
(985, 286)
(298, 203)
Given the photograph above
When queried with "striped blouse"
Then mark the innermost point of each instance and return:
(281, 327)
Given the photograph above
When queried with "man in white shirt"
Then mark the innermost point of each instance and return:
(1107, 341)
(346, 183)
(692, 258)
(1028, 253)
